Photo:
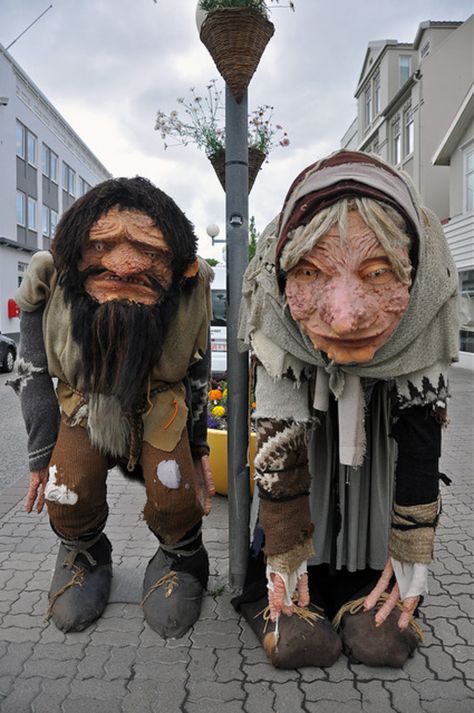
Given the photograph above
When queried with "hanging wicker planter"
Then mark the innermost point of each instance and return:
(236, 38)
(256, 158)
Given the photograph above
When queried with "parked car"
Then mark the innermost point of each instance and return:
(219, 323)
(7, 353)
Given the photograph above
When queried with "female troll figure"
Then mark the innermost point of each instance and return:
(350, 309)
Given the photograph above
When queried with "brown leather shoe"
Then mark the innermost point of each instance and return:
(300, 643)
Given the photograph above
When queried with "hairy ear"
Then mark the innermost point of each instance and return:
(192, 270)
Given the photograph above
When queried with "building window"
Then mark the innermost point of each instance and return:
(466, 288)
(31, 213)
(49, 222)
(69, 180)
(50, 163)
(377, 93)
(25, 144)
(409, 130)
(20, 140)
(405, 68)
(20, 208)
(396, 142)
(31, 142)
(83, 186)
(368, 105)
(21, 271)
(425, 50)
(469, 179)
(375, 147)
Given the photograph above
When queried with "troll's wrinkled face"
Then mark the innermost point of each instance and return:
(346, 295)
(126, 258)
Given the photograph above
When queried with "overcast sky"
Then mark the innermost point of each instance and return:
(109, 65)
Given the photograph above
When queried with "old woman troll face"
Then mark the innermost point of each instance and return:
(345, 293)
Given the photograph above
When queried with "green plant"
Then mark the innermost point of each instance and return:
(259, 5)
(202, 123)
(253, 237)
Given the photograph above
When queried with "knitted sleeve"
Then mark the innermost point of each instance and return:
(34, 385)
(197, 388)
(417, 431)
(281, 471)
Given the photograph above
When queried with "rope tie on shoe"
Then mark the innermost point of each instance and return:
(76, 548)
(174, 550)
(309, 616)
(78, 579)
(355, 606)
(169, 580)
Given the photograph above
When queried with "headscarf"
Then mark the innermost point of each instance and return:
(425, 341)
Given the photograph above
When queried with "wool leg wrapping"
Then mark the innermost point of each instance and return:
(412, 533)
(76, 489)
(282, 477)
(172, 507)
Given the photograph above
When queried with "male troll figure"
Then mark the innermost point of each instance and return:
(350, 309)
(118, 313)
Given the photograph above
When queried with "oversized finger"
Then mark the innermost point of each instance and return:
(303, 590)
(206, 468)
(41, 495)
(384, 580)
(409, 606)
(35, 481)
(388, 606)
(278, 598)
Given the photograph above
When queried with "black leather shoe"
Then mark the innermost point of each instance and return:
(80, 586)
(172, 591)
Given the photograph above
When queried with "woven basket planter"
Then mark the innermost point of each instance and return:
(236, 38)
(256, 158)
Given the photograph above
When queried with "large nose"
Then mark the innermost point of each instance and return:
(126, 259)
(347, 307)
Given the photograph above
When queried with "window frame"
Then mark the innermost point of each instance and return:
(468, 196)
(22, 128)
(400, 58)
(31, 211)
(396, 141)
(408, 131)
(22, 196)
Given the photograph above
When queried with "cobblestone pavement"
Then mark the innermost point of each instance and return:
(119, 665)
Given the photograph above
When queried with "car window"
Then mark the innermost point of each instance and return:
(219, 308)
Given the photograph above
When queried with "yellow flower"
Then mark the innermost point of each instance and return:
(218, 411)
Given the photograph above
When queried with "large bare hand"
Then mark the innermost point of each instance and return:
(205, 489)
(276, 597)
(38, 481)
(409, 604)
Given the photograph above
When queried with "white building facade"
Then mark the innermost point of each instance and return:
(415, 110)
(44, 167)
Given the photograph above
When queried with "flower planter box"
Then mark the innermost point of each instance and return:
(218, 458)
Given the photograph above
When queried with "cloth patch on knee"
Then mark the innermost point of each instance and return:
(58, 493)
(169, 474)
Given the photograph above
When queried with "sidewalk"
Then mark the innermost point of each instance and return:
(119, 665)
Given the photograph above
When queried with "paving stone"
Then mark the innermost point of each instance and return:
(6, 685)
(464, 706)
(447, 632)
(310, 674)
(150, 697)
(90, 705)
(17, 635)
(115, 638)
(214, 691)
(224, 609)
(92, 665)
(120, 663)
(454, 690)
(99, 689)
(325, 706)
(256, 655)
(213, 707)
(23, 621)
(165, 655)
(404, 698)
(229, 666)
(267, 672)
(13, 661)
(375, 698)
(118, 624)
(417, 669)
(23, 692)
(202, 664)
(440, 663)
(260, 698)
(465, 603)
(385, 673)
(340, 671)
(49, 668)
(288, 697)
(322, 690)
(58, 651)
(53, 693)
(158, 671)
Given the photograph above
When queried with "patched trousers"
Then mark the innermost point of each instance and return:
(76, 494)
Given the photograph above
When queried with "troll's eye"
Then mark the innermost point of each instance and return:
(378, 275)
(99, 246)
(305, 273)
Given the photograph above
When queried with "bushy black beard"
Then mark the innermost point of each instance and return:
(120, 342)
